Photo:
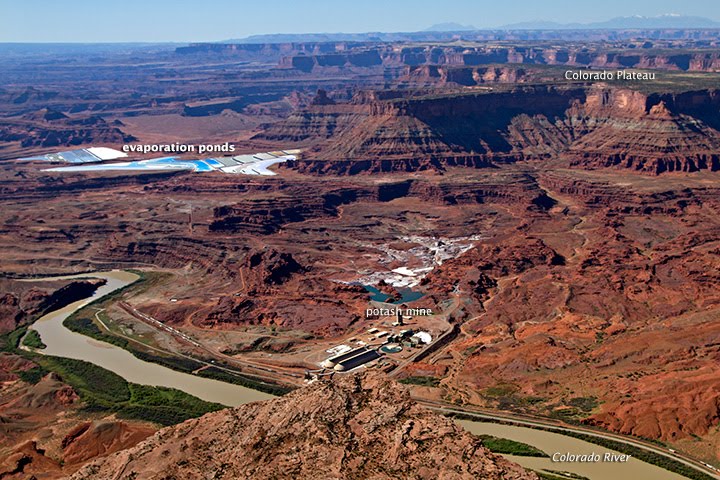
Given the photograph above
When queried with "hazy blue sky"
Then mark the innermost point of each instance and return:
(209, 20)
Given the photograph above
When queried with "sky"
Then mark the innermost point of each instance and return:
(215, 20)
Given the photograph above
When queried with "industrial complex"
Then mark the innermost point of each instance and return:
(385, 348)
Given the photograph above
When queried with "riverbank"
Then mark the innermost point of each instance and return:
(87, 321)
(62, 342)
(553, 443)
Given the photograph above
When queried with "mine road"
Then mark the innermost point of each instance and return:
(534, 422)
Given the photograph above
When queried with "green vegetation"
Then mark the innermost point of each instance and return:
(569, 415)
(511, 447)
(166, 406)
(98, 387)
(34, 375)
(224, 376)
(9, 341)
(422, 381)
(586, 404)
(139, 285)
(469, 352)
(641, 454)
(87, 327)
(181, 364)
(557, 475)
(500, 390)
(516, 402)
(32, 339)
(573, 411)
(83, 322)
(103, 390)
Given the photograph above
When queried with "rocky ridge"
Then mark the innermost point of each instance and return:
(356, 426)
(49, 128)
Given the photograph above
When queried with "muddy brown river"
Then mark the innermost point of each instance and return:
(552, 443)
(62, 342)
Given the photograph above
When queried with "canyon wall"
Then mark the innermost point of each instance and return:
(597, 126)
(313, 56)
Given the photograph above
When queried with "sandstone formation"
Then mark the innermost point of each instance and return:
(625, 129)
(90, 440)
(358, 426)
(436, 75)
(44, 434)
(567, 232)
(48, 128)
(323, 56)
(29, 460)
(22, 302)
(589, 127)
(320, 306)
(595, 309)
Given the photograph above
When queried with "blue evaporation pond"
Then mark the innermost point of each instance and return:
(406, 295)
(196, 165)
(156, 161)
(129, 166)
(202, 166)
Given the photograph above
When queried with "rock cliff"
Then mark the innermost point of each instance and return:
(589, 127)
(321, 56)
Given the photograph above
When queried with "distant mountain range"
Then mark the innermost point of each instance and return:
(452, 30)
(634, 22)
(450, 27)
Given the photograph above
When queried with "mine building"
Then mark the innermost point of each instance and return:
(332, 362)
(423, 337)
(411, 342)
(357, 360)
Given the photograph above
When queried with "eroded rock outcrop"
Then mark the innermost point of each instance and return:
(48, 128)
(598, 126)
(270, 267)
(358, 426)
(23, 302)
(626, 129)
(90, 440)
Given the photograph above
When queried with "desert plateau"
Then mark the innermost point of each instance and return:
(448, 211)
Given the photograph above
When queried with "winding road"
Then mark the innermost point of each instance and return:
(62, 342)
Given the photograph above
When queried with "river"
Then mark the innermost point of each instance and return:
(62, 342)
(550, 443)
